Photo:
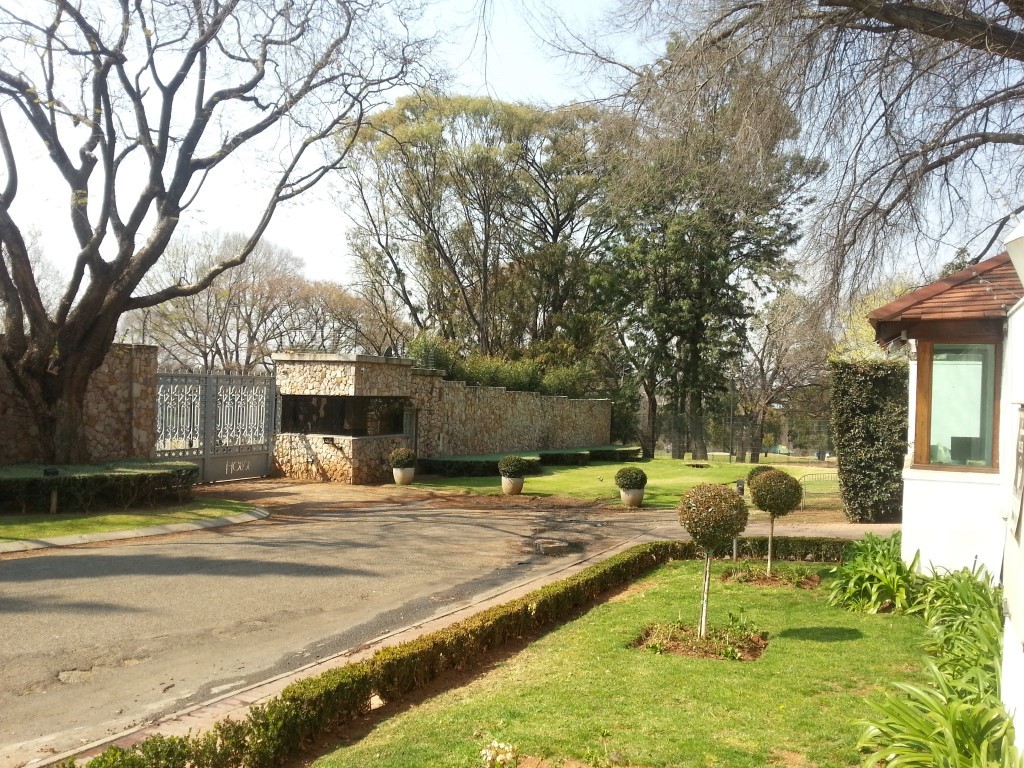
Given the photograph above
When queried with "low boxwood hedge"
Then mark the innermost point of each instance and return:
(25, 488)
(616, 453)
(472, 466)
(568, 457)
(275, 732)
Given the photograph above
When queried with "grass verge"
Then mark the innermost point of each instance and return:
(667, 480)
(581, 692)
(21, 527)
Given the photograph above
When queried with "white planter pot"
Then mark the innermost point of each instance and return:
(631, 497)
(511, 486)
(404, 475)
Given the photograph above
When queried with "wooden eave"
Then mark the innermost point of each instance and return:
(969, 305)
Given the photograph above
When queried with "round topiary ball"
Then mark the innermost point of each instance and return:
(402, 458)
(760, 469)
(777, 493)
(713, 515)
(631, 479)
(513, 466)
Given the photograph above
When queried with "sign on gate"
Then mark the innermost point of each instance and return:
(225, 423)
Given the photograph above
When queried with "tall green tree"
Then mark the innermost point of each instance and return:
(479, 214)
(706, 212)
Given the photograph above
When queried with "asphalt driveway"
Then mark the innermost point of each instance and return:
(98, 638)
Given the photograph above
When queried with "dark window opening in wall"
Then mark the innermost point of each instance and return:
(351, 416)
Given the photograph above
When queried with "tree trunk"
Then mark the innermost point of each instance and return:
(695, 412)
(702, 629)
(757, 439)
(649, 438)
(771, 539)
(742, 441)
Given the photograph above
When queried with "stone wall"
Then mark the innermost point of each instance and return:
(355, 460)
(452, 419)
(457, 420)
(120, 410)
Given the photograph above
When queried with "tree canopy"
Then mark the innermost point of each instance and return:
(135, 105)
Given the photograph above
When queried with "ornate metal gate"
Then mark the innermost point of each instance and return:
(224, 423)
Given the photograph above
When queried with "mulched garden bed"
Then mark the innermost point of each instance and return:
(735, 642)
(757, 576)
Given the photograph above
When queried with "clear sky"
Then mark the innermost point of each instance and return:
(504, 58)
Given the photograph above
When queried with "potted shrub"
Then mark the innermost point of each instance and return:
(713, 515)
(403, 465)
(512, 469)
(631, 482)
(778, 494)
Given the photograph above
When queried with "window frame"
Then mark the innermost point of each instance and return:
(923, 406)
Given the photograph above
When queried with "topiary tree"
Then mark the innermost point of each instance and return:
(713, 515)
(513, 466)
(760, 469)
(402, 458)
(631, 478)
(778, 494)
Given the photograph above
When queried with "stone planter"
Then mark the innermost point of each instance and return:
(403, 475)
(511, 486)
(631, 497)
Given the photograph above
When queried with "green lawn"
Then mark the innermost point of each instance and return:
(20, 527)
(582, 693)
(667, 480)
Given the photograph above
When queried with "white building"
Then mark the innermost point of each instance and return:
(963, 472)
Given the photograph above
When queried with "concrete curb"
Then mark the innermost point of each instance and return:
(132, 533)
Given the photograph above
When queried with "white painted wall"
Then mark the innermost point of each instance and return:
(953, 519)
(957, 519)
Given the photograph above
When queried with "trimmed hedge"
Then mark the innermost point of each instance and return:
(472, 466)
(869, 430)
(567, 457)
(616, 453)
(819, 550)
(277, 731)
(25, 489)
(487, 465)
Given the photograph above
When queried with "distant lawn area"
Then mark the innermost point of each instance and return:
(582, 693)
(667, 479)
(23, 527)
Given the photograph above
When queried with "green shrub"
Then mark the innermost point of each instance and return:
(631, 479)
(402, 458)
(869, 428)
(123, 484)
(760, 469)
(513, 466)
(472, 466)
(796, 548)
(875, 579)
(575, 381)
(567, 457)
(932, 726)
(957, 720)
(713, 515)
(777, 493)
(616, 453)
(430, 351)
(963, 613)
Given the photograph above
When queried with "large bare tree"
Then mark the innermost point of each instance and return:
(917, 106)
(135, 103)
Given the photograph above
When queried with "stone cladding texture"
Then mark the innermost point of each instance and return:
(120, 410)
(452, 419)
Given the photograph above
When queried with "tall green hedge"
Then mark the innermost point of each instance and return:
(869, 430)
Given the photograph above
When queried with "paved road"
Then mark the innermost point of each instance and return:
(98, 638)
